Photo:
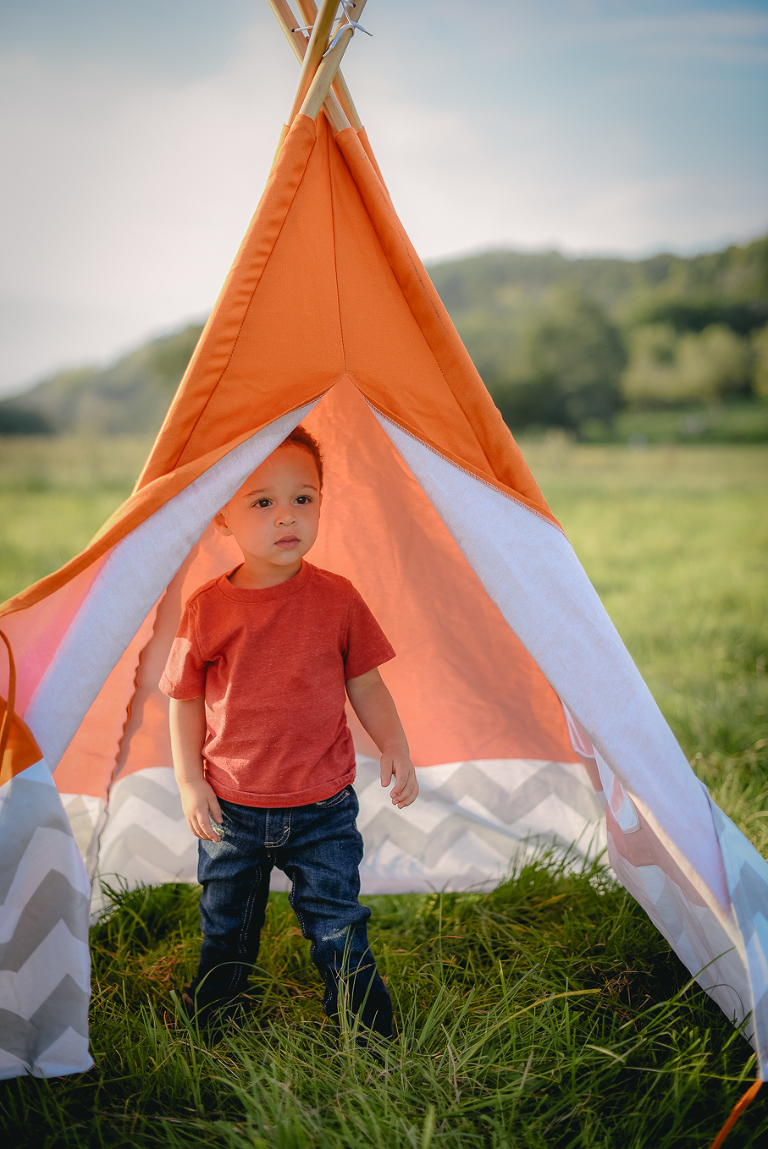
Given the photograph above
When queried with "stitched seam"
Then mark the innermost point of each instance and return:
(335, 262)
(244, 931)
(248, 308)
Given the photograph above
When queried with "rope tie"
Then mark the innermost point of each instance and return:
(344, 21)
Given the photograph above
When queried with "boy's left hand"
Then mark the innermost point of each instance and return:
(396, 762)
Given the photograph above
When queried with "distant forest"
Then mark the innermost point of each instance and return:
(559, 341)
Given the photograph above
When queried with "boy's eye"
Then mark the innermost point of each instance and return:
(303, 499)
(264, 503)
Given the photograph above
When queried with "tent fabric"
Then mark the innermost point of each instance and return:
(529, 724)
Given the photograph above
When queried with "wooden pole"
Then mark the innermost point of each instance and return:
(324, 76)
(318, 43)
(308, 10)
(288, 22)
(298, 41)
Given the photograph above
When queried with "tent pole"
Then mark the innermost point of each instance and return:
(321, 84)
(318, 43)
(288, 22)
(308, 10)
(298, 41)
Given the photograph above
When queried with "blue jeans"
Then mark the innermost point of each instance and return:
(320, 849)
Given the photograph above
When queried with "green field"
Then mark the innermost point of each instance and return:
(548, 1013)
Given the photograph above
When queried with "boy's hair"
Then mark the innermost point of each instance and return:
(302, 438)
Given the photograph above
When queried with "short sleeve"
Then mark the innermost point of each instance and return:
(185, 670)
(367, 645)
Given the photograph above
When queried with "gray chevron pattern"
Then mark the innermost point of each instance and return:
(145, 839)
(83, 812)
(747, 874)
(44, 896)
(472, 819)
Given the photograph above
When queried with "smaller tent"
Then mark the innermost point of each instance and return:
(528, 721)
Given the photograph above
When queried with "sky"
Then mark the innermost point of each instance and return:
(137, 135)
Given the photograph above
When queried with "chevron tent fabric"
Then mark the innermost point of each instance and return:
(44, 963)
(527, 719)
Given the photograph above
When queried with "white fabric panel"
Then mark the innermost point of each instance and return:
(531, 572)
(135, 574)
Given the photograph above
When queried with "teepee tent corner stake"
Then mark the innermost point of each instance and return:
(528, 722)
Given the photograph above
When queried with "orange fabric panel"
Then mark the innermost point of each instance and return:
(36, 633)
(463, 683)
(289, 348)
(233, 319)
(21, 750)
(477, 438)
(147, 739)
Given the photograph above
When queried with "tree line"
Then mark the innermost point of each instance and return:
(559, 341)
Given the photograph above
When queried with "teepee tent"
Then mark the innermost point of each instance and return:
(527, 718)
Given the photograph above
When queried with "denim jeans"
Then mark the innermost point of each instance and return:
(320, 849)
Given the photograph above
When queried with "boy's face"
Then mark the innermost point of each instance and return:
(274, 517)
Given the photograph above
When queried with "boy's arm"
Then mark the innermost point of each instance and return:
(375, 707)
(198, 800)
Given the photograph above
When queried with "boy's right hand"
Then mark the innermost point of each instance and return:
(200, 804)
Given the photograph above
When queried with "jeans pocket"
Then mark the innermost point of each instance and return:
(335, 800)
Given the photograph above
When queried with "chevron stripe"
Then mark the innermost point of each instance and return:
(83, 812)
(747, 874)
(472, 819)
(54, 900)
(44, 895)
(29, 984)
(146, 838)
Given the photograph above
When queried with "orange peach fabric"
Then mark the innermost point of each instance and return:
(325, 285)
(21, 750)
(463, 683)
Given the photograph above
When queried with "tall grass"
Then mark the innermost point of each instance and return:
(549, 1012)
(546, 1013)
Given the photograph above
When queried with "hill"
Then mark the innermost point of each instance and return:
(128, 396)
(558, 341)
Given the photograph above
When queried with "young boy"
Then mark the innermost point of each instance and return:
(257, 677)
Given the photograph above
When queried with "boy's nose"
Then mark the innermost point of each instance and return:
(286, 518)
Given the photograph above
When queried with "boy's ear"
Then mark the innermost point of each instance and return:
(221, 525)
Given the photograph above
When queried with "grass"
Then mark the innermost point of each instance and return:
(54, 496)
(549, 1012)
(742, 422)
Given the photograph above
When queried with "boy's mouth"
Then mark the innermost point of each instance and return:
(287, 542)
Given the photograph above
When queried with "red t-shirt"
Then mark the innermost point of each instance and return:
(272, 665)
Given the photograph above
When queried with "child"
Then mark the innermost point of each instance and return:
(261, 748)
